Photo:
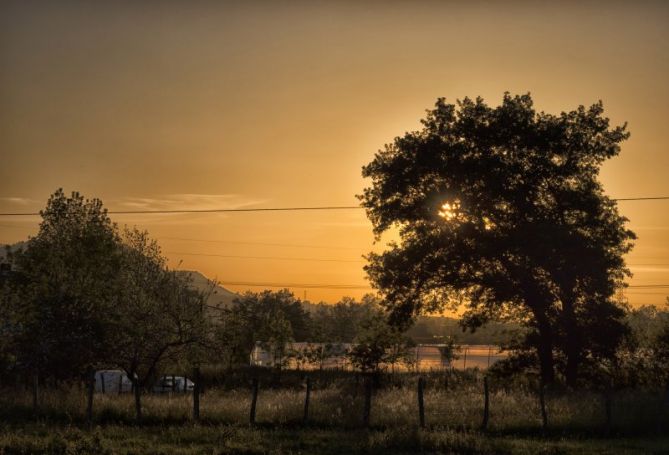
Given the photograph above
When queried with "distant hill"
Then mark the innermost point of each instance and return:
(219, 296)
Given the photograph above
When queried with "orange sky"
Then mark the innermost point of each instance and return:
(211, 105)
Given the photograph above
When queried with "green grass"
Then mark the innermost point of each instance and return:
(228, 439)
(576, 422)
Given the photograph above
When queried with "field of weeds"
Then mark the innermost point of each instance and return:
(577, 421)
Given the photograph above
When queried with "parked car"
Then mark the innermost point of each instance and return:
(171, 383)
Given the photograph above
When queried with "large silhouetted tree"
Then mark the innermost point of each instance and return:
(66, 291)
(500, 209)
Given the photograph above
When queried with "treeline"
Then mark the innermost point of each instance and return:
(84, 294)
(275, 319)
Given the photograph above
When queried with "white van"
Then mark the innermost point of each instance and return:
(112, 381)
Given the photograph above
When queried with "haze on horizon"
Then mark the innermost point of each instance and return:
(168, 105)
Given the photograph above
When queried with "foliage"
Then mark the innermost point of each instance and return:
(270, 318)
(500, 209)
(341, 322)
(84, 296)
(63, 294)
(316, 354)
(379, 344)
(448, 351)
(156, 316)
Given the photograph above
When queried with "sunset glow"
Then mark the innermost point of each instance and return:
(449, 210)
(209, 105)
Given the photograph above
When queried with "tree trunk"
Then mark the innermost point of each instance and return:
(90, 382)
(545, 347)
(572, 345)
(196, 393)
(35, 393)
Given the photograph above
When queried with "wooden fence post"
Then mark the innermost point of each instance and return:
(90, 379)
(486, 404)
(542, 403)
(120, 382)
(254, 400)
(305, 418)
(35, 393)
(421, 404)
(196, 393)
(664, 410)
(607, 409)
(368, 402)
(102, 382)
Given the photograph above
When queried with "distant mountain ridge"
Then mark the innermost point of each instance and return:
(217, 295)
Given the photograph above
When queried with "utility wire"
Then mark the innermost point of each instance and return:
(276, 209)
(261, 209)
(649, 286)
(293, 285)
(653, 198)
(278, 258)
(234, 242)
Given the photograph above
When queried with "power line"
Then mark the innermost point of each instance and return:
(649, 286)
(648, 265)
(234, 242)
(278, 258)
(276, 209)
(653, 198)
(261, 209)
(353, 286)
(293, 285)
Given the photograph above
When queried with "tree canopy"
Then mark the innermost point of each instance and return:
(501, 209)
(65, 295)
(85, 296)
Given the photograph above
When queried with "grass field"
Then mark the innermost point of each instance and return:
(230, 439)
(577, 422)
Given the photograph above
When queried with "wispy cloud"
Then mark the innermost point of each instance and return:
(189, 201)
(182, 201)
(650, 228)
(18, 200)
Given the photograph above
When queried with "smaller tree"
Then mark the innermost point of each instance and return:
(377, 344)
(267, 317)
(661, 355)
(231, 337)
(157, 316)
(447, 351)
(275, 337)
(317, 353)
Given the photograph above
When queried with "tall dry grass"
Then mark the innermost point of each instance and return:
(459, 406)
